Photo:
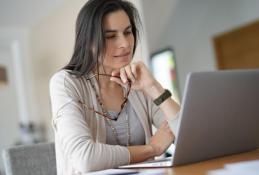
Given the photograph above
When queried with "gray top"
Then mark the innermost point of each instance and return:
(136, 130)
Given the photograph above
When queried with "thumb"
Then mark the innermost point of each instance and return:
(115, 73)
(164, 124)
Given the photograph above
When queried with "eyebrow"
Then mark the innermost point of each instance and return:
(113, 31)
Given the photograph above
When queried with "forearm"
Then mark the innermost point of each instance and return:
(169, 107)
(141, 153)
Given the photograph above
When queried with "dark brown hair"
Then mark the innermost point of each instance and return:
(90, 38)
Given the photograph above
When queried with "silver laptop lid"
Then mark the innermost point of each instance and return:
(219, 115)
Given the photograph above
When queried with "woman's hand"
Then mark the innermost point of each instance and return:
(138, 74)
(162, 139)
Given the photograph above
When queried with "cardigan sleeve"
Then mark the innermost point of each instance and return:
(73, 132)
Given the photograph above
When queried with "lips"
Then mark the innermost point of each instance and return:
(123, 54)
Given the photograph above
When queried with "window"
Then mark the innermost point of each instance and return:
(163, 66)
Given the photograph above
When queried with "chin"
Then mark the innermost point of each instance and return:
(122, 62)
(117, 63)
(125, 62)
(121, 65)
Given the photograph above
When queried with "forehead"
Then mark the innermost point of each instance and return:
(117, 20)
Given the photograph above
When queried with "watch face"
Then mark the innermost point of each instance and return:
(166, 94)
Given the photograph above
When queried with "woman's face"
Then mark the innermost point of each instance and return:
(119, 40)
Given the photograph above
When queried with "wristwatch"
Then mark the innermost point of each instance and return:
(165, 95)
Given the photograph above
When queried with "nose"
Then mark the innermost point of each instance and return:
(123, 42)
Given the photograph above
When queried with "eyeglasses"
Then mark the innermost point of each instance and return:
(104, 113)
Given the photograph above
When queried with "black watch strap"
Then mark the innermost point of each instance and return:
(165, 95)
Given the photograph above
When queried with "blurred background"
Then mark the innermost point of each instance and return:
(37, 38)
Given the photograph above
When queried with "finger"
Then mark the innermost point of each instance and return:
(129, 73)
(134, 70)
(163, 125)
(123, 75)
(165, 122)
(171, 135)
(117, 80)
(169, 130)
(116, 72)
(166, 126)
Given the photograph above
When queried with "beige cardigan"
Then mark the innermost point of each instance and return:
(80, 135)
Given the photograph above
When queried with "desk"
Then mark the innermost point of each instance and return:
(202, 168)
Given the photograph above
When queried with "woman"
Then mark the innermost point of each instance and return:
(103, 105)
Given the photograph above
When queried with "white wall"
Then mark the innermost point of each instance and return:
(157, 15)
(142, 50)
(192, 25)
(15, 96)
(9, 118)
(21, 36)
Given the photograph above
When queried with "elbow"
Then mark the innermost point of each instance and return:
(87, 160)
(89, 156)
(87, 165)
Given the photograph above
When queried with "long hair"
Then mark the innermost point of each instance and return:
(90, 37)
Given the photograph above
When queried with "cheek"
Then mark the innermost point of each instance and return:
(108, 54)
(109, 48)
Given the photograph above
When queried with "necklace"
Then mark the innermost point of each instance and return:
(109, 121)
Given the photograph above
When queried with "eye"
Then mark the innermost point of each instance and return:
(128, 32)
(110, 36)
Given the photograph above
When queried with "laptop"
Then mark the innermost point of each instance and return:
(219, 116)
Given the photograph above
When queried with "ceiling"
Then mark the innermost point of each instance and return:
(25, 13)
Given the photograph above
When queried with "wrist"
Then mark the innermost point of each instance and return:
(155, 90)
(152, 150)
